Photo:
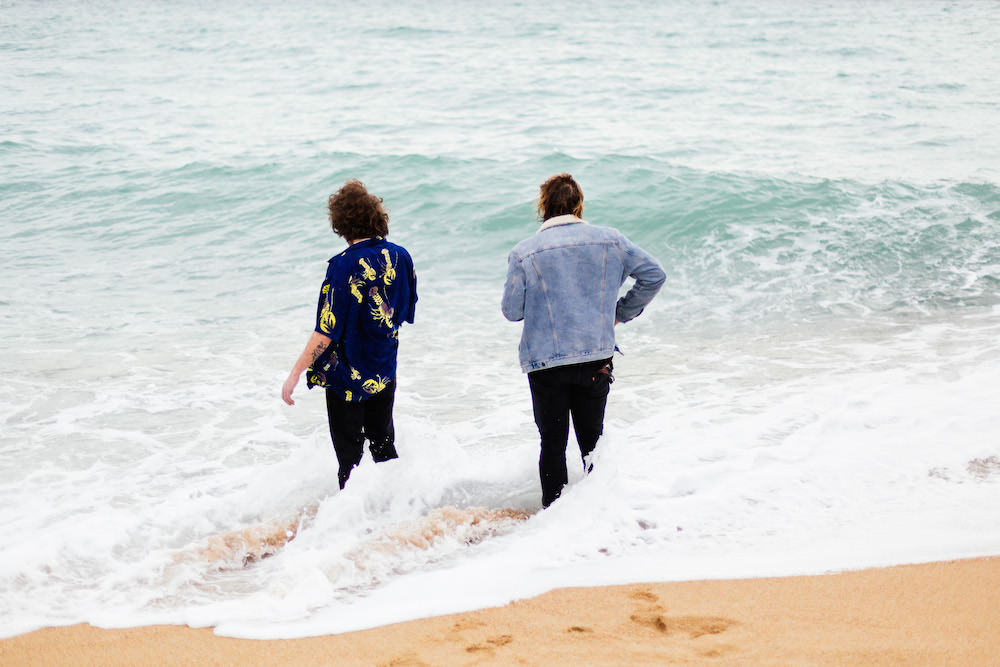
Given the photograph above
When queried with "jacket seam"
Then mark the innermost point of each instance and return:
(604, 295)
(548, 306)
(569, 244)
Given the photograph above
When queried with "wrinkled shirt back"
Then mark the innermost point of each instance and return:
(369, 291)
(563, 282)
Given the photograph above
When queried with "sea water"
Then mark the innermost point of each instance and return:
(814, 389)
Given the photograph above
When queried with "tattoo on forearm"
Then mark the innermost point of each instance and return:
(318, 350)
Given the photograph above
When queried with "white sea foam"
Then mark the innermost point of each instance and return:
(719, 461)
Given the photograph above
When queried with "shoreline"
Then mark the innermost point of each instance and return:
(926, 614)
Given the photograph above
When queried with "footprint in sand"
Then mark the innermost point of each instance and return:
(645, 596)
(490, 644)
(652, 616)
(406, 661)
(692, 626)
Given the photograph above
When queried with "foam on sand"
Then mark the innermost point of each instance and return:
(240, 548)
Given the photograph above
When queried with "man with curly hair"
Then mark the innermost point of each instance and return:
(369, 291)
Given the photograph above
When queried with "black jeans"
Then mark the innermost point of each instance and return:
(351, 423)
(580, 390)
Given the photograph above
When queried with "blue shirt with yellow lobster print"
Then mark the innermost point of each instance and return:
(369, 291)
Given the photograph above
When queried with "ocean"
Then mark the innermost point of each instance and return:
(813, 390)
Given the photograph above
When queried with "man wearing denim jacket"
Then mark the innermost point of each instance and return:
(564, 283)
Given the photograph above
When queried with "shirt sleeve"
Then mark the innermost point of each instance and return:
(411, 275)
(512, 304)
(649, 278)
(331, 308)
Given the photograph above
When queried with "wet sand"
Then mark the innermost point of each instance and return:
(931, 614)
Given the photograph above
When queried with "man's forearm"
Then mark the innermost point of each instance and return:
(315, 347)
(649, 278)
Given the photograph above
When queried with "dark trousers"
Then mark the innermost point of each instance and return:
(577, 390)
(351, 423)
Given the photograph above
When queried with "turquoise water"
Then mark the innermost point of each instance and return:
(813, 389)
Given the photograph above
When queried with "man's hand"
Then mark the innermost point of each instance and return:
(288, 388)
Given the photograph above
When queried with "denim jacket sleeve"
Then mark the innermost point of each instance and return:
(512, 304)
(649, 278)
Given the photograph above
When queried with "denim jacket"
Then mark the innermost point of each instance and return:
(564, 283)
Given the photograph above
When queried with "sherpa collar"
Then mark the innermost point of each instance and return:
(568, 219)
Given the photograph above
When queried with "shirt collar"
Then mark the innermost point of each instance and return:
(357, 246)
(568, 219)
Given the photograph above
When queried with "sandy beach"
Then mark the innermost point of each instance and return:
(929, 614)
